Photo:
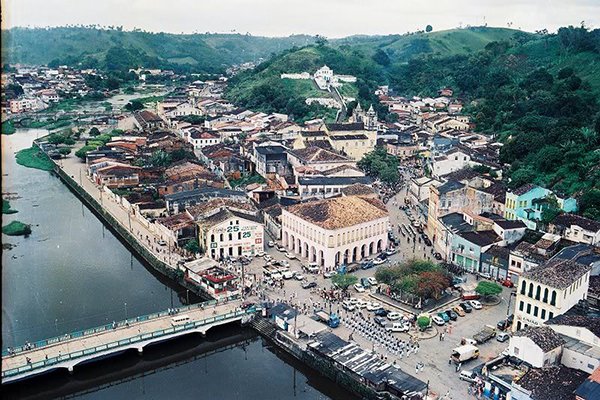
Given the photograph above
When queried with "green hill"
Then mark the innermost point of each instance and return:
(89, 46)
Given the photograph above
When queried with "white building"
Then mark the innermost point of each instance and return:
(419, 188)
(200, 139)
(539, 346)
(549, 290)
(336, 231)
(577, 229)
(303, 75)
(324, 77)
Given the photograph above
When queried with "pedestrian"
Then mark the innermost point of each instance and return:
(458, 367)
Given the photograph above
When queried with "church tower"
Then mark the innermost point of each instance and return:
(370, 120)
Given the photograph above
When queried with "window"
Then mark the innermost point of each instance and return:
(528, 308)
(535, 311)
(543, 314)
(553, 299)
(530, 293)
(230, 236)
(523, 285)
(538, 292)
(521, 306)
(550, 315)
(545, 299)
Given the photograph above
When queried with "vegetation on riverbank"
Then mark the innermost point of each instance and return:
(8, 128)
(33, 157)
(6, 208)
(16, 228)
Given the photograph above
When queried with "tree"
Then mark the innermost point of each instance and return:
(428, 28)
(432, 284)
(344, 281)
(94, 131)
(82, 152)
(192, 246)
(64, 151)
(159, 158)
(423, 322)
(134, 105)
(486, 288)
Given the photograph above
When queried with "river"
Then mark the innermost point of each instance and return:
(72, 273)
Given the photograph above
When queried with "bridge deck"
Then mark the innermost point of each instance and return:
(54, 353)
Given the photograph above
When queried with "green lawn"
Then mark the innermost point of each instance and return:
(33, 157)
(6, 208)
(8, 128)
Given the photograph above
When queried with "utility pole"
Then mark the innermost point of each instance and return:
(243, 283)
(125, 311)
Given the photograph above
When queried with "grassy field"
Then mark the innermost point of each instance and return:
(8, 128)
(6, 208)
(34, 158)
(16, 228)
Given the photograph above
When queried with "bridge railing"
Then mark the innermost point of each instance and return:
(134, 339)
(107, 327)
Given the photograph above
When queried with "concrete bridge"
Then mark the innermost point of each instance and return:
(75, 348)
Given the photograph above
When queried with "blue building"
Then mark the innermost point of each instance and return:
(528, 202)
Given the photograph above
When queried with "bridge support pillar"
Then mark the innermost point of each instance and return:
(140, 350)
(70, 368)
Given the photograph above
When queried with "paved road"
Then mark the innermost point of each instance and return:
(109, 336)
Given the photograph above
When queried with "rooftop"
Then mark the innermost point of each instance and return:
(557, 273)
(480, 238)
(582, 253)
(553, 383)
(357, 126)
(450, 186)
(317, 154)
(358, 189)
(590, 388)
(523, 189)
(567, 220)
(339, 212)
(543, 336)
(507, 224)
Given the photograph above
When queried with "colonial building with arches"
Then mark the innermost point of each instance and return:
(335, 231)
(548, 291)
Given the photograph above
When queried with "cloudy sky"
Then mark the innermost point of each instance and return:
(331, 18)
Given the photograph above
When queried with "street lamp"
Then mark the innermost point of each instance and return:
(125, 311)
(509, 299)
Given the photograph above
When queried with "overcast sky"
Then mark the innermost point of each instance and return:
(331, 18)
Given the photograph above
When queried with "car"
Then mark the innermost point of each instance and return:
(393, 316)
(451, 314)
(354, 300)
(510, 319)
(268, 257)
(367, 265)
(381, 312)
(313, 268)
(365, 283)
(260, 253)
(328, 274)
(475, 304)
(502, 337)
(271, 243)
(282, 249)
(372, 281)
(378, 261)
(437, 256)
(288, 275)
(427, 241)
(469, 376)
(308, 285)
(390, 252)
(162, 242)
(373, 306)
(290, 255)
(361, 303)
(285, 263)
(298, 276)
(459, 311)
(466, 307)
(444, 316)
(380, 321)
(438, 320)
(359, 288)
(508, 283)
(502, 325)
(347, 305)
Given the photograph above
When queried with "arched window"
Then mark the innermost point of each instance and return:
(553, 299)
(545, 299)
(538, 292)
(230, 237)
(523, 287)
(530, 293)
(212, 238)
(221, 237)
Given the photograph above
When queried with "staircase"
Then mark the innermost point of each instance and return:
(264, 327)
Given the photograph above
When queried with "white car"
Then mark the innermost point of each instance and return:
(288, 275)
(271, 243)
(290, 256)
(359, 288)
(398, 327)
(282, 249)
(298, 276)
(354, 300)
(438, 320)
(347, 305)
(285, 263)
(372, 306)
(393, 316)
(373, 281)
(283, 269)
(268, 257)
(475, 304)
(260, 253)
(378, 261)
(361, 304)
(276, 275)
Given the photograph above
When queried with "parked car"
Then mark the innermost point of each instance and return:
(444, 316)
(373, 306)
(298, 276)
(378, 261)
(291, 256)
(466, 307)
(502, 337)
(268, 258)
(393, 316)
(308, 285)
(271, 243)
(260, 253)
(451, 314)
(354, 300)
(459, 311)
(347, 305)
(282, 249)
(390, 252)
(380, 321)
(510, 319)
(502, 325)
(361, 304)
(438, 320)
(373, 281)
(162, 242)
(328, 274)
(359, 288)
(437, 256)
(381, 312)
(508, 283)
(475, 304)
(468, 376)
(367, 265)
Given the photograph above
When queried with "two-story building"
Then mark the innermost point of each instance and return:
(576, 228)
(549, 290)
(467, 248)
(335, 231)
(527, 203)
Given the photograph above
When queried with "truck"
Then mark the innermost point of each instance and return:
(470, 295)
(488, 332)
(464, 353)
(330, 319)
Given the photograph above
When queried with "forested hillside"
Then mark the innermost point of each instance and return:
(209, 53)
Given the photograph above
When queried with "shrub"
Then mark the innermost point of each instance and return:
(16, 228)
(423, 322)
